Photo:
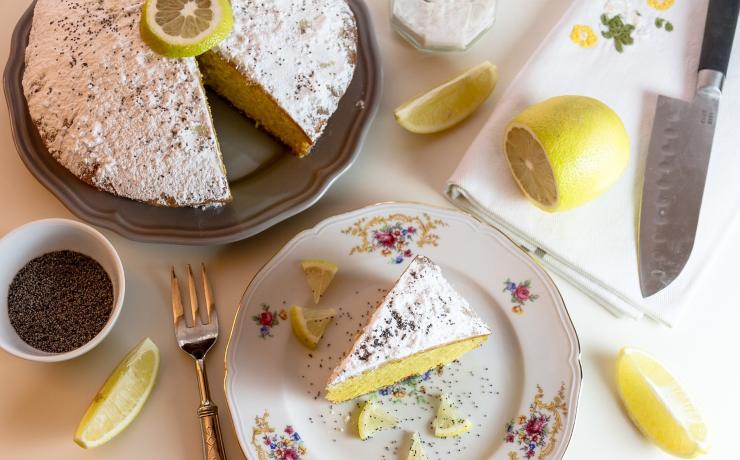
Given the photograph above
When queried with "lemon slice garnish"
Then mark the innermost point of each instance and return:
(121, 397)
(566, 151)
(658, 405)
(416, 452)
(319, 274)
(450, 103)
(448, 421)
(183, 28)
(373, 419)
(309, 324)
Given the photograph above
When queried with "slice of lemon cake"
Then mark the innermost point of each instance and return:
(422, 323)
(286, 64)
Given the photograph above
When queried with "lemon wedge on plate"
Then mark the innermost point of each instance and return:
(309, 324)
(448, 421)
(319, 274)
(183, 28)
(658, 405)
(448, 104)
(416, 452)
(121, 397)
(373, 419)
(566, 151)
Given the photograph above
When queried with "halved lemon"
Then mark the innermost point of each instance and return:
(450, 103)
(658, 405)
(566, 151)
(183, 28)
(448, 421)
(373, 419)
(416, 452)
(309, 324)
(121, 397)
(319, 274)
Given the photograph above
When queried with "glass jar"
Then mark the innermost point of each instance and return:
(442, 25)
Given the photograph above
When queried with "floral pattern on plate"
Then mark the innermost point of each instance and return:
(267, 319)
(394, 235)
(535, 433)
(520, 294)
(271, 445)
(412, 387)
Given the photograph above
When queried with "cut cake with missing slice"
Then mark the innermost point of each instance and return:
(422, 323)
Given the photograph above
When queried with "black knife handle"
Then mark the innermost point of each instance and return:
(719, 33)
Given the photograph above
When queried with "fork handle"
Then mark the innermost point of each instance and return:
(210, 428)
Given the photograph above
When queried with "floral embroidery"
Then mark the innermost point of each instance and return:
(394, 234)
(520, 294)
(271, 445)
(583, 36)
(413, 387)
(622, 22)
(268, 319)
(617, 30)
(534, 433)
(661, 5)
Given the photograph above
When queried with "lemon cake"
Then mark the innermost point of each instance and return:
(135, 124)
(286, 65)
(114, 113)
(423, 322)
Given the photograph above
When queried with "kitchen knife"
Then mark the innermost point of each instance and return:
(678, 158)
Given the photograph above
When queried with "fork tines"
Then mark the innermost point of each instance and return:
(177, 309)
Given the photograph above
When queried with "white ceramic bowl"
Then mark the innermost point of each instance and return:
(35, 239)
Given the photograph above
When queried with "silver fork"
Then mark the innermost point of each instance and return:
(195, 339)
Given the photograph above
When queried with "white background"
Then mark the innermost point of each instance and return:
(40, 404)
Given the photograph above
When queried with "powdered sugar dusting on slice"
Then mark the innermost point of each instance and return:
(421, 312)
(302, 52)
(116, 114)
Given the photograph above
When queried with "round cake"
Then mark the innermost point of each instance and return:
(138, 125)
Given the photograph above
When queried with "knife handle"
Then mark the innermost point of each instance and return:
(719, 33)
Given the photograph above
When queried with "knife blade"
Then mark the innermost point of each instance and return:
(678, 159)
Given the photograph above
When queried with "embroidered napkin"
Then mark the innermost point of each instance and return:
(595, 246)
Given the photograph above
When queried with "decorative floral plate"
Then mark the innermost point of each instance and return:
(520, 389)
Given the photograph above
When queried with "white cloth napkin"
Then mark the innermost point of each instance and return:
(595, 246)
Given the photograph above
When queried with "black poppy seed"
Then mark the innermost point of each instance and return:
(60, 301)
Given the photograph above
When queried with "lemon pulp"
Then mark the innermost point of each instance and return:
(121, 397)
(658, 405)
(448, 421)
(450, 103)
(416, 452)
(319, 274)
(184, 28)
(309, 324)
(373, 419)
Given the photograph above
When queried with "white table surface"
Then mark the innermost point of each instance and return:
(41, 404)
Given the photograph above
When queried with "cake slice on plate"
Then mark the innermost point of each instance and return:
(422, 323)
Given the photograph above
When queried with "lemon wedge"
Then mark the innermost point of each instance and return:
(121, 397)
(183, 28)
(566, 151)
(416, 452)
(319, 274)
(448, 104)
(658, 405)
(373, 419)
(448, 421)
(309, 324)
